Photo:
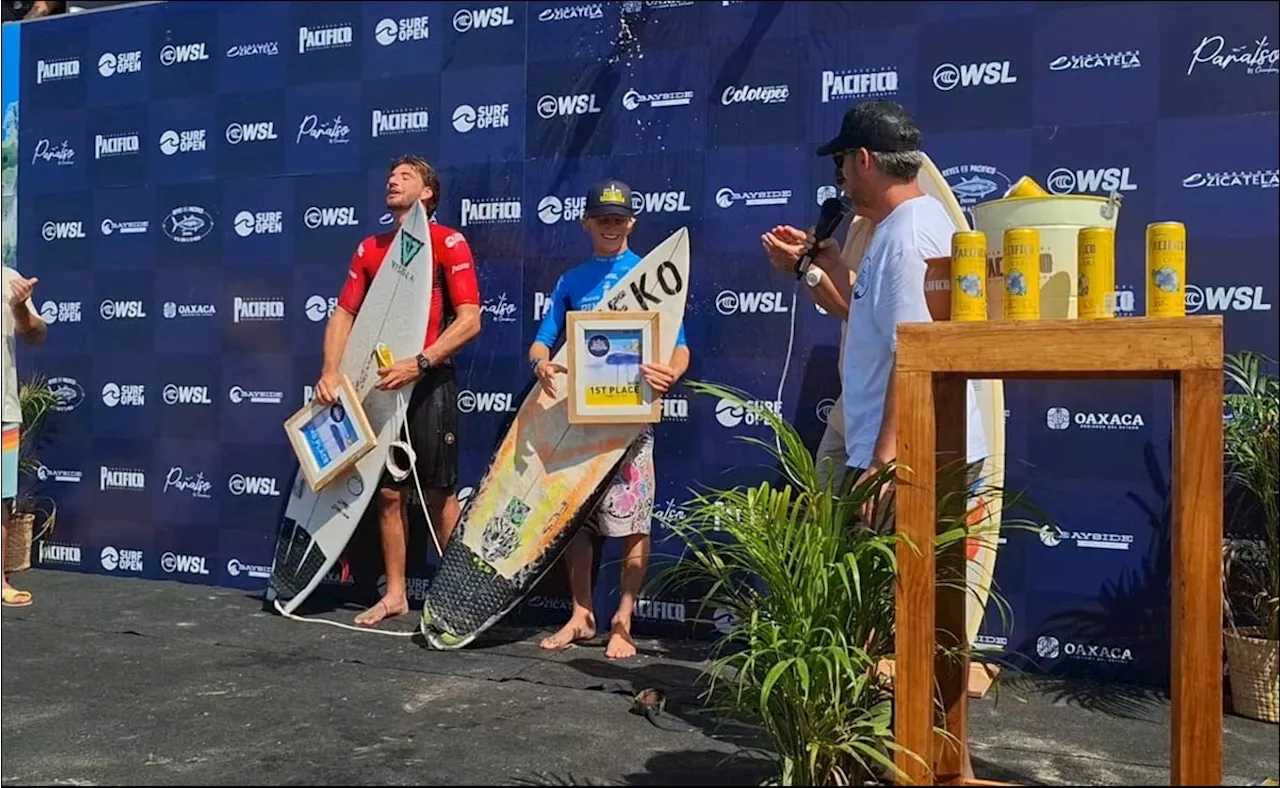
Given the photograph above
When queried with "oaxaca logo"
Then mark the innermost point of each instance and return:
(311, 39)
(467, 19)
(1059, 418)
(318, 308)
(563, 106)
(114, 559)
(1105, 181)
(1049, 647)
(950, 76)
(845, 85)
(730, 414)
(171, 55)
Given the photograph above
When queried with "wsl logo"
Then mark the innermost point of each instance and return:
(660, 202)
(949, 76)
(1095, 181)
(564, 106)
(171, 55)
(466, 19)
(485, 402)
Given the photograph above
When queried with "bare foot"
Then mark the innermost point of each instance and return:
(579, 628)
(621, 646)
(385, 608)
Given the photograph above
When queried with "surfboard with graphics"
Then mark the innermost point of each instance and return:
(984, 507)
(316, 526)
(545, 476)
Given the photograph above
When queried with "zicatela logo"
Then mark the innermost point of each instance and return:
(1234, 179)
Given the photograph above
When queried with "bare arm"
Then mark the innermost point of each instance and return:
(46, 8)
(539, 352)
(28, 324)
(335, 339)
(680, 361)
(886, 448)
(464, 328)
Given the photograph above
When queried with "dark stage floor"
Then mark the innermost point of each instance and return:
(116, 681)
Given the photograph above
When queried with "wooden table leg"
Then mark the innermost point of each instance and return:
(915, 519)
(1197, 579)
(952, 670)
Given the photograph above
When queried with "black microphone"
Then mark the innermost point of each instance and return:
(833, 211)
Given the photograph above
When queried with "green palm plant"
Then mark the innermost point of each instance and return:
(1251, 440)
(810, 598)
(36, 400)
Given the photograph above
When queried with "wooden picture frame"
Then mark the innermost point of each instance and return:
(606, 350)
(315, 429)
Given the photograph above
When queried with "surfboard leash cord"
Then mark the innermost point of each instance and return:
(786, 361)
(398, 474)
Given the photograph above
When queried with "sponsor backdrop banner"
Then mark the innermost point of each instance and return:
(195, 177)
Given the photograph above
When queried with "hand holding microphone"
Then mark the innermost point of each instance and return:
(819, 243)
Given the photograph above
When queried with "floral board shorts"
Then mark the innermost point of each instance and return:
(627, 507)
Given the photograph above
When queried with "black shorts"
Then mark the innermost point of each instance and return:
(433, 433)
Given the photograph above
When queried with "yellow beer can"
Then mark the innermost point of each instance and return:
(1022, 273)
(1166, 269)
(1096, 273)
(1025, 187)
(968, 276)
(382, 354)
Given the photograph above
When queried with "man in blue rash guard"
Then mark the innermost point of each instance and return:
(627, 507)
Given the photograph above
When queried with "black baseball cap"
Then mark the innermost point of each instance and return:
(609, 198)
(879, 126)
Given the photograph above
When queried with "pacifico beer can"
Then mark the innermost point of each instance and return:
(968, 276)
(1096, 273)
(1166, 269)
(1021, 273)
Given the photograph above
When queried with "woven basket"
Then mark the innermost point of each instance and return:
(1254, 666)
(22, 532)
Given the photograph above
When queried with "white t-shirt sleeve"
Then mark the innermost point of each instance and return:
(899, 295)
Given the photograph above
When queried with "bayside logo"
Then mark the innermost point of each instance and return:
(562, 106)
(1052, 536)
(111, 227)
(863, 84)
(1101, 181)
(57, 70)
(238, 394)
(467, 19)
(257, 309)
(726, 197)
(567, 12)
(1059, 418)
(183, 53)
(391, 31)
(1256, 58)
(949, 76)
(111, 64)
(189, 141)
(486, 116)
(1239, 298)
(311, 39)
(1127, 59)
(633, 99)
(401, 121)
(489, 211)
(749, 94)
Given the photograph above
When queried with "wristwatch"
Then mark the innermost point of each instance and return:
(813, 277)
(424, 363)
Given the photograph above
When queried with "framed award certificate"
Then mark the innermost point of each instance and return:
(606, 351)
(329, 439)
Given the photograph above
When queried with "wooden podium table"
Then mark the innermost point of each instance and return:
(934, 361)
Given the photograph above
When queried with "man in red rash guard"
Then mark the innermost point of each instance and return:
(433, 405)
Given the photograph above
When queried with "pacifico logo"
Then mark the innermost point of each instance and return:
(846, 85)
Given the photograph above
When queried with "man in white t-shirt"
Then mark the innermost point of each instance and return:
(19, 317)
(878, 154)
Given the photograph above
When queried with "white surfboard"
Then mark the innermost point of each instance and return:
(316, 526)
(984, 509)
(543, 474)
